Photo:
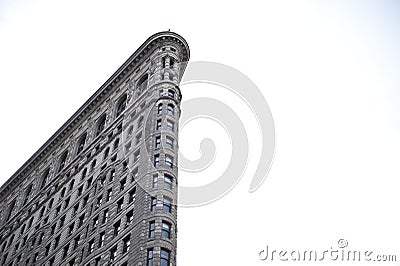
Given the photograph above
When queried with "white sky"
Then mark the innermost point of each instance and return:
(329, 71)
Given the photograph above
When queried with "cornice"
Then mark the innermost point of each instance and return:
(126, 68)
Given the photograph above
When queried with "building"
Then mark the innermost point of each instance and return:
(102, 190)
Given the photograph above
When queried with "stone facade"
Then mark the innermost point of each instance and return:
(103, 189)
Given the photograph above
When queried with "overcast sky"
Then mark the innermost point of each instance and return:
(329, 71)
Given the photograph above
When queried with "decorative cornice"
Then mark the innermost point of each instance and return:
(152, 42)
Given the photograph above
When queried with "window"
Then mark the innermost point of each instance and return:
(112, 175)
(127, 244)
(81, 144)
(71, 184)
(113, 253)
(170, 125)
(121, 106)
(167, 181)
(101, 239)
(45, 176)
(166, 230)
(47, 250)
(153, 204)
(169, 142)
(56, 241)
(106, 153)
(93, 165)
(142, 84)
(170, 109)
(122, 184)
(75, 209)
(165, 257)
(135, 174)
(10, 209)
(63, 161)
(160, 108)
(157, 160)
(116, 144)
(81, 220)
(83, 173)
(136, 156)
(76, 241)
(168, 161)
(159, 124)
(30, 222)
(150, 257)
(138, 138)
(80, 190)
(105, 216)
(85, 200)
(132, 195)
(109, 194)
(171, 93)
(101, 124)
(62, 193)
(27, 193)
(120, 205)
(65, 252)
(99, 201)
(117, 228)
(140, 122)
(91, 246)
(72, 262)
(158, 142)
(51, 261)
(97, 261)
(152, 227)
(89, 182)
(155, 180)
(70, 229)
(66, 202)
(62, 220)
(129, 217)
(95, 222)
(166, 205)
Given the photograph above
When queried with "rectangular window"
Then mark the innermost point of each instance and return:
(166, 204)
(136, 156)
(168, 161)
(158, 142)
(129, 217)
(159, 124)
(112, 175)
(109, 194)
(91, 246)
(76, 241)
(152, 227)
(81, 220)
(65, 251)
(75, 209)
(153, 204)
(155, 180)
(159, 110)
(71, 229)
(120, 205)
(117, 228)
(113, 253)
(66, 202)
(166, 230)
(165, 257)
(157, 160)
(80, 190)
(169, 143)
(135, 174)
(105, 216)
(122, 184)
(99, 201)
(167, 181)
(127, 244)
(150, 257)
(170, 125)
(101, 239)
(95, 222)
(170, 109)
(132, 195)
(138, 138)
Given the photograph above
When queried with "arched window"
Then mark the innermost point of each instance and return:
(101, 124)
(63, 161)
(121, 105)
(170, 109)
(142, 83)
(81, 143)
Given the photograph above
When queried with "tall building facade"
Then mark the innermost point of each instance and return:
(103, 189)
